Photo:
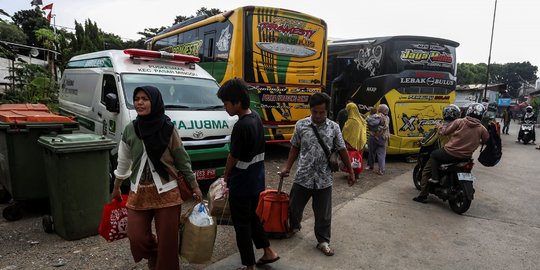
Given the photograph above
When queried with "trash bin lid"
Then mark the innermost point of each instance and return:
(77, 142)
(28, 117)
(24, 107)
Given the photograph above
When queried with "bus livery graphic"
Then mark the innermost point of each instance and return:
(280, 53)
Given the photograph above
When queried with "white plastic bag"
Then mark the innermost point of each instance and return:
(200, 217)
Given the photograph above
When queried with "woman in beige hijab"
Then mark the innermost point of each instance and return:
(355, 133)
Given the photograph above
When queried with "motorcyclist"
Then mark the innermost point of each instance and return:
(466, 134)
(529, 115)
(450, 113)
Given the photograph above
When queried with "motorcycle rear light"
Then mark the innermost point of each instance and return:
(468, 167)
(161, 55)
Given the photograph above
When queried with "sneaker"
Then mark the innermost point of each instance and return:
(433, 181)
(325, 248)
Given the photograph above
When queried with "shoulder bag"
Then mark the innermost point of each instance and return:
(332, 157)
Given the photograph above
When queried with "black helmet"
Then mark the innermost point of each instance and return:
(529, 109)
(476, 110)
(451, 112)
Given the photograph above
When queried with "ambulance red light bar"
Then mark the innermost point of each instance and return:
(162, 55)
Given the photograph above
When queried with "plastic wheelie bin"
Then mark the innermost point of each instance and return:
(78, 181)
(22, 168)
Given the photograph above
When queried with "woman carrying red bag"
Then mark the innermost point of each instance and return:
(355, 136)
(151, 148)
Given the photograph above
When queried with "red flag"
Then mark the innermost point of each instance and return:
(49, 16)
(49, 6)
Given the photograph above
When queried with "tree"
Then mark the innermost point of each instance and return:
(200, 12)
(12, 33)
(515, 75)
(29, 21)
(48, 39)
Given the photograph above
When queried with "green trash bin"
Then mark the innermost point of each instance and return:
(78, 181)
(21, 164)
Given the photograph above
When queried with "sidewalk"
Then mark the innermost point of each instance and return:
(384, 229)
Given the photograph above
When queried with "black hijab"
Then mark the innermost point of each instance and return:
(155, 129)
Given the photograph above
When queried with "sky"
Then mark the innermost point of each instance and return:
(516, 37)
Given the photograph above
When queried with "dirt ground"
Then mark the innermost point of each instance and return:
(24, 244)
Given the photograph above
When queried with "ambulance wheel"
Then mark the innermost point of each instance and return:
(13, 212)
(47, 223)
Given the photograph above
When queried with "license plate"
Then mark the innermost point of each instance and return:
(205, 174)
(466, 177)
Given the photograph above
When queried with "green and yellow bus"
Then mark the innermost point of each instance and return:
(280, 53)
(413, 75)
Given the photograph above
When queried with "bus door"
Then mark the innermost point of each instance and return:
(209, 51)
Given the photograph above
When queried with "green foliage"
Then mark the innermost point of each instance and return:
(515, 75)
(29, 21)
(46, 36)
(12, 33)
(201, 11)
(33, 84)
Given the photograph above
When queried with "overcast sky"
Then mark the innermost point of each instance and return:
(516, 39)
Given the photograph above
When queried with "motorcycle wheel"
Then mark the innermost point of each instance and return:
(417, 176)
(526, 140)
(460, 204)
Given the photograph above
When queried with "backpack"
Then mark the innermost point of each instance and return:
(491, 154)
(374, 122)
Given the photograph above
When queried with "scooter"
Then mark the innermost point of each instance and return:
(455, 185)
(527, 132)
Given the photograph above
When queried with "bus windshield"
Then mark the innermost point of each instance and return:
(177, 92)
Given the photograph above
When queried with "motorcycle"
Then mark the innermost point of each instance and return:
(526, 132)
(456, 184)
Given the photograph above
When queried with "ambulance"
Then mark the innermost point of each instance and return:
(97, 89)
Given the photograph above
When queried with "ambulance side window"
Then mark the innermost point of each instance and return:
(108, 86)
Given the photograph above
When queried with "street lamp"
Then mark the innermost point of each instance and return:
(490, 46)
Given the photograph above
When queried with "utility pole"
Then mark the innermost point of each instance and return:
(490, 46)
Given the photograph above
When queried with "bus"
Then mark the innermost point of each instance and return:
(280, 53)
(414, 75)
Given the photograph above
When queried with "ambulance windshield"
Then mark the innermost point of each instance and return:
(178, 92)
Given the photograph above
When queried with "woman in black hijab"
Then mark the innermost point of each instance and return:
(152, 156)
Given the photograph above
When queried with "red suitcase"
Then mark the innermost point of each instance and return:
(273, 210)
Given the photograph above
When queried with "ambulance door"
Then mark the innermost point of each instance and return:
(108, 116)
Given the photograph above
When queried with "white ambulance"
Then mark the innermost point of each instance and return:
(97, 88)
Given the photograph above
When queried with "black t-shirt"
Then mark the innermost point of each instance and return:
(247, 145)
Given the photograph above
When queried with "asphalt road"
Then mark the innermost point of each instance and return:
(384, 229)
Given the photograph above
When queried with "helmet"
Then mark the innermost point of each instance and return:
(529, 109)
(476, 110)
(451, 112)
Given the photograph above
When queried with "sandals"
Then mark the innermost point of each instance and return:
(325, 248)
(262, 261)
(380, 172)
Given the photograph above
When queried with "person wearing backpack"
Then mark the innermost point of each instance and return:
(379, 135)
(466, 134)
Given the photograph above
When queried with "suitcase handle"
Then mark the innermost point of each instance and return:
(280, 184)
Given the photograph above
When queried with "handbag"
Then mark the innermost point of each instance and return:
(186, 192)
(114, 220)
(333, 157)
(197, 242)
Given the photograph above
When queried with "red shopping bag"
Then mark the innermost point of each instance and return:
(356, 161)
(114, 220)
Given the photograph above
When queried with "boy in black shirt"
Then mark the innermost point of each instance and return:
(244, 174)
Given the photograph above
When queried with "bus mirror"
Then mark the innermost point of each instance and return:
(111, 103)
